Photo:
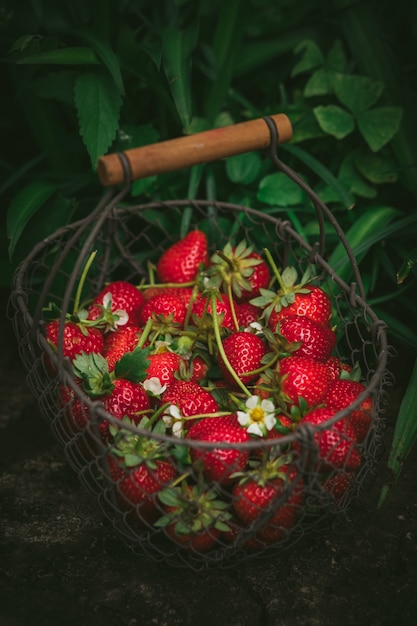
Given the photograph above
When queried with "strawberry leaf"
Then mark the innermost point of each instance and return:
(133, 365)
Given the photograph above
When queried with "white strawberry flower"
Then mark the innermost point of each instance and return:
(259, 417)
(154, 386)
(257, 327)
(173, 419)
(119, 317)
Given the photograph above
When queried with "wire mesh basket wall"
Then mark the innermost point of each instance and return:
(312, 494)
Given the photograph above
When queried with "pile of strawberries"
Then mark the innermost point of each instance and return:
(212, 371)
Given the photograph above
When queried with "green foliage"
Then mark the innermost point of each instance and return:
(84, 78)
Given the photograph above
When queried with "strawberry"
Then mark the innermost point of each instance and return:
(245, 352)
(197, 368)
(339, 484)
(218, 464)
(337, 366)
(247, 313)
(340, 394)
(121, 391)
(240, 269)
(117, 343)
(314, 304)
(316, 341)
(163, 307)
(193, 517)
(190, 398)
(202, 311)
(166, 366)
(127, 399)
(139, 469)
(303, 377)
(181, 262)
(186, 294)
(77, 338)
(115, 298)
(269, 497)
(336, 443)
(293, 298)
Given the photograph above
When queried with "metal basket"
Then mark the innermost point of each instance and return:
(126, 237)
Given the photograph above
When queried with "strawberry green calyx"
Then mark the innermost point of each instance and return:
(231, 268)
(271, 467)
(135, 448)
(192, 510)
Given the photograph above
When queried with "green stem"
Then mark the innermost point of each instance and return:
(275, 270)
(82, 282)
(221, 349)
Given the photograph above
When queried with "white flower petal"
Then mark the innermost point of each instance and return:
(174, 411)
(254, 429)
(153, 385)
(177, 429)
(167, 419)
(122, 318)
(267, 406)
(107, 299)
(252, 402)
(270, 421)
(243, 418)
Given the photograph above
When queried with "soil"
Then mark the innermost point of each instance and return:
(62, 563)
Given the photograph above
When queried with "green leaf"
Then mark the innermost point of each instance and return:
(320, 83)
(405, 432)
(311, 58)
(337, 185)
(376, 169)
(133, 365)
(62, 56)
(357, 93)
(364, 233)
(24, 205)
(379, 125)
(279, 190)
(334, 120)
(244, 168)
(106, 55)
(178, 45)
(98, 105)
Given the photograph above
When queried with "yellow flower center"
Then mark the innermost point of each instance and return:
(257, 414)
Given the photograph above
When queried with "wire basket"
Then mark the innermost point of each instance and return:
(126, 238)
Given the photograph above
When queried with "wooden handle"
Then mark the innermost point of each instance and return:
(189, 150)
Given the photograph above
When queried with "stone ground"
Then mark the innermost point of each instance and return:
(61, 563)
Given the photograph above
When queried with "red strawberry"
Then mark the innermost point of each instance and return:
(315, 304)
(124, 297)
(317, 341)
(127, 399)
(336, 443)
(270, 498)
(340, 394)
(197, 368)
(181, 262)
(202, 306)
(304, 377)
(219, 463)
(167, 307)
(183, 293)
(245, 352)
(190, 398)
(165, 366)
(247, 313)
(117, 343)
(339, 484)
(337, 366)
(139, 469)
(77, 338)
(194, 516)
